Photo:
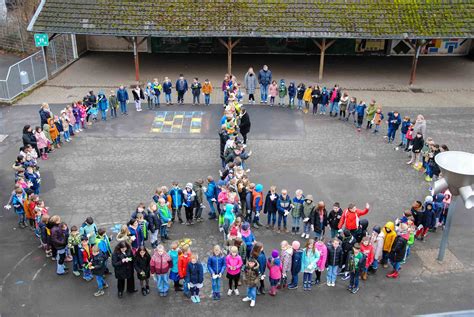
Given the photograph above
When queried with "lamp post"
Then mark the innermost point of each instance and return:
(458, 171)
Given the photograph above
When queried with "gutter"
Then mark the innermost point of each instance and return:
(35, 16)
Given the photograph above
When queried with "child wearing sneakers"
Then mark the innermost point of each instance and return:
(251, 279)
(216, 267)
(356, 263)
(234, 264)
(98, 267)
(334, 261)
(195, 277)
(297, 211)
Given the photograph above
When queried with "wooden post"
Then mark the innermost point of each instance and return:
(414, 63)
(322, 47)
(229, 45)
(135, 55)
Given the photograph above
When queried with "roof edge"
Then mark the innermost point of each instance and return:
(35, 16)
(328, 35)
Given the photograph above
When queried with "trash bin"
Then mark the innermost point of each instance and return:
(24, 79)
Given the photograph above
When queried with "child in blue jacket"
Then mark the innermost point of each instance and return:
(211, 196)
(360, 110)
(216, 267)
(167, 88)
(17, 203)
(248, 238)
(181, 88)
(195, 276)
(295, 264)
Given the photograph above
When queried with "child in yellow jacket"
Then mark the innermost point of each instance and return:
(390, 235)
(307, 98)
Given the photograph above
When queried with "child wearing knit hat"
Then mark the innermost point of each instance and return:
(275, 271)
(295, 264)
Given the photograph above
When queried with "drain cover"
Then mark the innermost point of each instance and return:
(416, 90)
(3, 137)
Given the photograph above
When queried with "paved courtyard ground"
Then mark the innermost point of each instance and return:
(106, 171)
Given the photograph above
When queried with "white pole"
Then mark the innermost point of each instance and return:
(75, 54)
(43, 48)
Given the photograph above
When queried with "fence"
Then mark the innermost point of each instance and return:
(23, 75)
(59, 53)
(28, 72)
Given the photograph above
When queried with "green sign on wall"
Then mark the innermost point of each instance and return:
(41, 39)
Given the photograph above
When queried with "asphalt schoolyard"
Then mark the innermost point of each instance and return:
(107, 170)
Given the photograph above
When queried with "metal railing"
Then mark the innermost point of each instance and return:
(22, 76)
(28, 72)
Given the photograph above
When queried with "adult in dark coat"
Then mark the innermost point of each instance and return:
(244, 125)
(45, 114)
(29, 138)
(122, 261)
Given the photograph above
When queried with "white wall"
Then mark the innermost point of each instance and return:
(113, 43)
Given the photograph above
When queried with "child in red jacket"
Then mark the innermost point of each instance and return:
(350, 217)
(367, 248)
(183, 260)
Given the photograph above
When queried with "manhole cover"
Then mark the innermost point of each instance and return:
(3, 137)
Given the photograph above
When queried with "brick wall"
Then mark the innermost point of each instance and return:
(15, 37)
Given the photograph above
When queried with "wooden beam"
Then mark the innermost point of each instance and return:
(135, 55)
(143, 40)
(127, 39)
(229, 45)
(235, 43)
(321, 59)
(229, 55)
(323, 46)
(317, 43)
(223, 43)
(330, 43)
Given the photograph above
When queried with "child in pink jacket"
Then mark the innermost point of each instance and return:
(234, 264)
(273, 92)
(275, 271)
(42, 143)
(323, 254)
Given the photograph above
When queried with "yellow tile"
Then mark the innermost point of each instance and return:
(196, 119)
(178, 116)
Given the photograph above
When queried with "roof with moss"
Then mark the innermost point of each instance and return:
(384, 19)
